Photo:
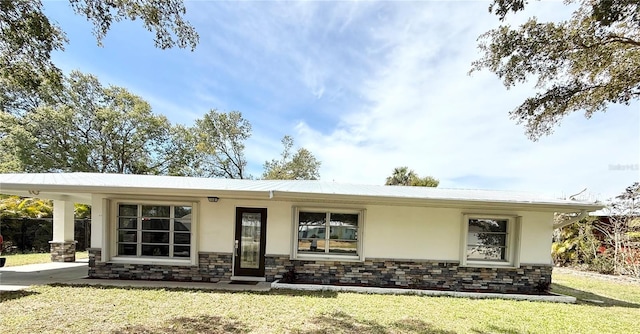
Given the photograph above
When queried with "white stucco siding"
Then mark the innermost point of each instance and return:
(279, 228)
(98, 215)
(434, 234)
(394, 232)
(535, 240)
(412, 233)
(217, 225)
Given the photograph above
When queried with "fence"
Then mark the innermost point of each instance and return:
(29, 235)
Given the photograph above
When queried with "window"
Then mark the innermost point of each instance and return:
(490, 240)
(487, 239)
(328, 233)
(149, 230)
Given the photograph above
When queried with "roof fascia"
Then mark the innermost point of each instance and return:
(56, 190)
(80, 192)
(441, 203)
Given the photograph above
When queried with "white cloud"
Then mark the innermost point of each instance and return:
(423, 111)
(367, 86)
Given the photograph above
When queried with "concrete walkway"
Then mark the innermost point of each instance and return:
(224, 285)
(22, 277)
(395, 291)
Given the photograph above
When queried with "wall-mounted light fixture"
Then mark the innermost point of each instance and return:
(214, 199)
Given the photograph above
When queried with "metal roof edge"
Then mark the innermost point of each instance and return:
(438, 202)
(96, 183)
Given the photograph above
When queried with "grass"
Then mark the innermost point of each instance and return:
(84, 309)
(588, 289)
(33, 258)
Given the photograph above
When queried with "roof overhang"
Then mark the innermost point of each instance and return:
(79, 187)
(440, 203)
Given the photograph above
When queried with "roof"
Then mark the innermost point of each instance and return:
(80, 186)
(612, 212)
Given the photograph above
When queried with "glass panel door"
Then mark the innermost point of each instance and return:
(250, 241)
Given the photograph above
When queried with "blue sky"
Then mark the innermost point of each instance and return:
(366, 86)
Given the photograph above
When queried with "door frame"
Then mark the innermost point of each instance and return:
(249, 272)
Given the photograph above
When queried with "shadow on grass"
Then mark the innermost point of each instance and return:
(10, 295)
(340, 322)
(295, 293)
(277, 292)
(495, 329)
(588, 298)
(199, 324)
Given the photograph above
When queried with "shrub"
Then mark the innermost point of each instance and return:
(603, 263)
(290, 276)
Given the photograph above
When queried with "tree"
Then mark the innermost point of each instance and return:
(164, 17)
(621, 231)
(426, 181)
(584, 63)
(608, 243)
(27, 36)
(219, 145)
(575, 244)
(19, 207)
(91, 128)
(403, 176)
(27, 39)
(27, 207)
(88, 127)
(301, 165)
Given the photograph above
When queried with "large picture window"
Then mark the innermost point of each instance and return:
(490, 240)
(149, 230)
(328, 233)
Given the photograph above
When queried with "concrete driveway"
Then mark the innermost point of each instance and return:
(21, 277)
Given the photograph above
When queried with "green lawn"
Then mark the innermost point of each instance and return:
(67, 309)
(22, 259)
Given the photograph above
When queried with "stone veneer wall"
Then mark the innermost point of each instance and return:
(63, 251)
(212, 267)
(413, 274)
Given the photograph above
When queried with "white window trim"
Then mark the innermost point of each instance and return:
(113, 234)
(327, 256)
(514, 223)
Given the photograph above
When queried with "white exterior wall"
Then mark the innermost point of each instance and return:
(412, 233)
(63, 221)
(535, 241)
(394, 232)
(98, 215)
(217, 225)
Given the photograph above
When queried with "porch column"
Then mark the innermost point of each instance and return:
(63, 247)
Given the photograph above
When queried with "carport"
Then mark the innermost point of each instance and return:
(63, 244)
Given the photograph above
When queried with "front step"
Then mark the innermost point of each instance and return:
(248, 278)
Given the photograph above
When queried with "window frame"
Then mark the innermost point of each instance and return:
(295, 255)
(512, 241)
(144, 259)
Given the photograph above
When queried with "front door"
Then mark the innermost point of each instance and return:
(251, 228)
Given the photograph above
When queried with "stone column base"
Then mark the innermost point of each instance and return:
(64, 251)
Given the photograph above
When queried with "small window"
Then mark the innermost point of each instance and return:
(162, 231)
(490, 240)
(487, 239)
(328, 233)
